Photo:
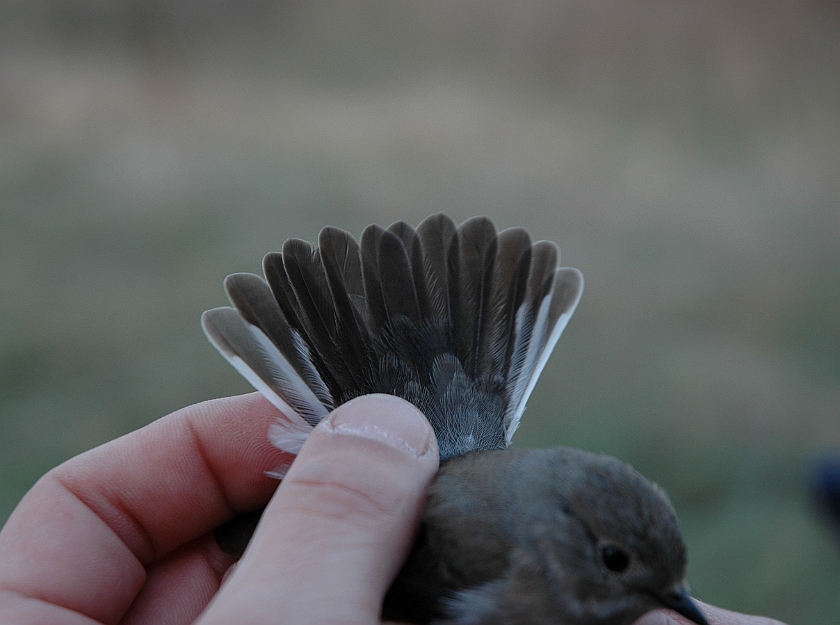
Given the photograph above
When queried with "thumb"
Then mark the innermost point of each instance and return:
(340, 524)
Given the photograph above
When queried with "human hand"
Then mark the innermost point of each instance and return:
(123, 533)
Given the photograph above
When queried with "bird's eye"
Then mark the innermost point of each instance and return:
(615, 558)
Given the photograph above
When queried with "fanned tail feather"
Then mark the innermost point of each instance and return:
(458, 320)
(259, 360)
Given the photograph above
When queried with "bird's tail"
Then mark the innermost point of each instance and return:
(458, 320)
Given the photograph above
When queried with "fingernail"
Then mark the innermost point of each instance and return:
(657, 617)
(385, 419)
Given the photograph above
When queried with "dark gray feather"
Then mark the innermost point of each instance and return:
(513, 266)
(341, 259)
(436, 234)
(414, 250)
(396, 280)
(377, 313)
(472, 309)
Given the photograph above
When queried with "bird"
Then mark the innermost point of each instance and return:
(459, 320)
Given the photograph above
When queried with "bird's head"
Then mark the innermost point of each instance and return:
(622, 552)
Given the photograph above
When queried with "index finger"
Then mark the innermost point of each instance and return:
(104, 515)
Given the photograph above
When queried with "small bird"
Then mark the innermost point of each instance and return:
(460, 321)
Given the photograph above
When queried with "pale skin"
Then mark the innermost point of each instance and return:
(123, 533)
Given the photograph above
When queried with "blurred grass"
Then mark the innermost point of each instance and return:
(684, 156)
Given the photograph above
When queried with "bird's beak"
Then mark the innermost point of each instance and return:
(681, 603)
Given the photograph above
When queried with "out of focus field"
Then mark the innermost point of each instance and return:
(685, 156)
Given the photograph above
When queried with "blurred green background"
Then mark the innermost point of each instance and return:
(685, 156)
